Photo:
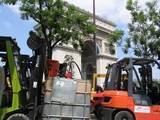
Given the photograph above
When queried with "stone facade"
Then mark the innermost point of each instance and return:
(86, 59)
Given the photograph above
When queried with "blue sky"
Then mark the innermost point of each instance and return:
(12, 25)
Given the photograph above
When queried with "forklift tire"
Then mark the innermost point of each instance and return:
(123, 115)
(18, 116)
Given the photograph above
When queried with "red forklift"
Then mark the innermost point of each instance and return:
(131, 92)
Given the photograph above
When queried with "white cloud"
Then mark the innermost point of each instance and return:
(113, 10)
(118, 13)
(14, 8)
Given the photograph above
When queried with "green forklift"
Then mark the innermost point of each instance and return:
(14, 81)
(21, 77)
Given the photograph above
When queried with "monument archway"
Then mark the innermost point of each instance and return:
(89, 59)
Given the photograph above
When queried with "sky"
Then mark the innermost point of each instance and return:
(12, 25)
(114, 10)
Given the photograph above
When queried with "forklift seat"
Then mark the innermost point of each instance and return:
(142, 99)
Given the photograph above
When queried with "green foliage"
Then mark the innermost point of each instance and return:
(144, 34)
(115, 37)
(57, 21)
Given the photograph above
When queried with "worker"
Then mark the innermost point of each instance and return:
(99, 89)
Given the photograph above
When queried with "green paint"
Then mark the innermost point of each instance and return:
(16, 88)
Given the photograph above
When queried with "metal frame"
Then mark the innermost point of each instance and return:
(16, 88)
(130, 68)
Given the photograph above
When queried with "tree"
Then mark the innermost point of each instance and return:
(57, 21)
(144, 33)
(115, 37)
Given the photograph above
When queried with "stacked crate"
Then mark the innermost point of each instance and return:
(70, 99)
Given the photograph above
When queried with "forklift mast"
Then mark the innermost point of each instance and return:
(38, 61)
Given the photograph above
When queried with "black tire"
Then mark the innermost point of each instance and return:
(123, 115)
(98, 112)
(18, 116)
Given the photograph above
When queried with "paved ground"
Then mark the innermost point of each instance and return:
(93, 117)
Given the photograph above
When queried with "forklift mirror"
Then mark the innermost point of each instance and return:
(34, 42)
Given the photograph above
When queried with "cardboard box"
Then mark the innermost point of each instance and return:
(83, 86)
(48, 86)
